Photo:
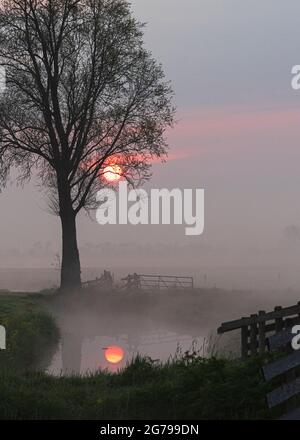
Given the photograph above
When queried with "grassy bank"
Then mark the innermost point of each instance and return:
(190, 388)
(32, 335)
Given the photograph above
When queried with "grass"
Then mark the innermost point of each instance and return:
(186, 387)
(32, 334)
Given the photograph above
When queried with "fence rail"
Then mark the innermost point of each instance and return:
(166, 282)
(158, 282)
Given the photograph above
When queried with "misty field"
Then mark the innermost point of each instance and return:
(186, 387)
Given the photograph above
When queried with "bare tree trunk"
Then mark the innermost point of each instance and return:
(70, 265)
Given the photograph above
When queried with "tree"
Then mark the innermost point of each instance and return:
(82, 93)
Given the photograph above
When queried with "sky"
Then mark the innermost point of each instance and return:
(237, 136)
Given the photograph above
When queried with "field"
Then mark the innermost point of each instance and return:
(186, 387)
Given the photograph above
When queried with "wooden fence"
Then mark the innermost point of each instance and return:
(286, 368)
(138, 282)
(104, 282)
(158, 282)
(256, 328)
(166, 282)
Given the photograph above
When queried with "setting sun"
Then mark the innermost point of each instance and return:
(114, 354)
(112, 173)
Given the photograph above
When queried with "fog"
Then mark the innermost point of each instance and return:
(237, 137)
(161, 325)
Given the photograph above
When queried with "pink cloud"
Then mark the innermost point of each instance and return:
(200, 130)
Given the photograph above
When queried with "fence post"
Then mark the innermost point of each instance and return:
(299, 312)
(261, 333)
(253, 335)
(244, 341)
(278, 321)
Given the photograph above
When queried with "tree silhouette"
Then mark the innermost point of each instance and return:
(82, 94)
